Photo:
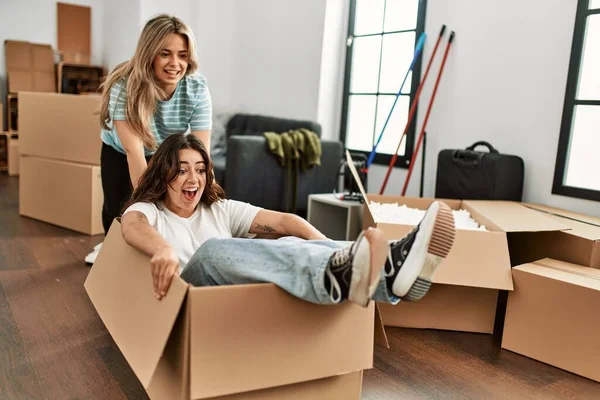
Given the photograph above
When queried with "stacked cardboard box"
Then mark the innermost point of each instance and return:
(552, 315)
(29, 67)
(60, 146)
(239, 342)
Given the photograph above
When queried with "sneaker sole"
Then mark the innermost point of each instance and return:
(365, 264)
(436, 233)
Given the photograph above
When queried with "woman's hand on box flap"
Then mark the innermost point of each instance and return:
(163, 265)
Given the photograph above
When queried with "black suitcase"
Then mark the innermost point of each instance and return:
(477, 175)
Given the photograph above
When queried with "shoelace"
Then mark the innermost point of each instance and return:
(335, 287)
(340, 258)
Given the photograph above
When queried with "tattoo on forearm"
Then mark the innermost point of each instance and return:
(140, 217)
(265, 228)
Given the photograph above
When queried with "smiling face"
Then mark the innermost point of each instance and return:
(171, 63)
(185, 191)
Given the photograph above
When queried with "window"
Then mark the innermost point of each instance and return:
(577, 172)
(382, 35)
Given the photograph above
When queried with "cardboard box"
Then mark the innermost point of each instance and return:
(60, 126)
(552, 316)
(580, 244)
(74, 32)
(75, 58)
(61, 193)
(466, 284)
(240, 341)
(29, 67)
(13, 156)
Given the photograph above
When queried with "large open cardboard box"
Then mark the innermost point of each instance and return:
(464, 294)
(236, 342)
(466, 285)
(580, 244)
(60, 126)
(62, 193)
(553, 316)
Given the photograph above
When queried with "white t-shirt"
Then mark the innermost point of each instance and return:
(223, 219)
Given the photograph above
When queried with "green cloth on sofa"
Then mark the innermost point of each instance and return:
(299, 147)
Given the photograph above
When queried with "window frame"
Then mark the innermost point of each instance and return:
(402, 161)
(559, 187)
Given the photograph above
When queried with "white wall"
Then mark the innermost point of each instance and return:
(122, 26)
(331, 84)
(124, 20)
(179, 8)
(35, 21)
(215, 29)
(504, 82)
(270, 61)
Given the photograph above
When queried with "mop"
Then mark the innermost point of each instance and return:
(418, 49)
(413, 108)
(435, 88)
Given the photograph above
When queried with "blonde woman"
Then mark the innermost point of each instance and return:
(144, 100)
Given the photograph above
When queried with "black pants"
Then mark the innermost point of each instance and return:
(116, 183)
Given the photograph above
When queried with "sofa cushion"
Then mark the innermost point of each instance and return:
(248, 124)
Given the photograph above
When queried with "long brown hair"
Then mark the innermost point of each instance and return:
(142, 86)
(164, 167)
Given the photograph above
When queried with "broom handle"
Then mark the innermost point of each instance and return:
(418, 50)
(437, 82)
(411, 113)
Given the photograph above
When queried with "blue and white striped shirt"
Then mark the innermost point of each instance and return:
(190, 108)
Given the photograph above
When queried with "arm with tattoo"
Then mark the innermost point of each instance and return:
(272, 224)
(265, 228)
(139, 234)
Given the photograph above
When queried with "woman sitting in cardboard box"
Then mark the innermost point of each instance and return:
(179, 216)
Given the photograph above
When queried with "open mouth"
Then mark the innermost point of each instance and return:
(190, 194)
(172, 73)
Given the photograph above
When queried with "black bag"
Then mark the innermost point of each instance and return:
(476, 175)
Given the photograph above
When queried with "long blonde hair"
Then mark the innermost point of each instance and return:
(142, 86)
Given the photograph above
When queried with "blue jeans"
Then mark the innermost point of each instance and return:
(295, 265)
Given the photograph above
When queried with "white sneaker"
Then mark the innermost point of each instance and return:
(90, 258)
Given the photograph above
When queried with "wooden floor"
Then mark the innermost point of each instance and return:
(54, 346)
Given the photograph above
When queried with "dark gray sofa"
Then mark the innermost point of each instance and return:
(249, 172)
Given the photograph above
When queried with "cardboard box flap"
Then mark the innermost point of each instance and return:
(19, 81)
(43, 57)
(120, 287)
(272, 338)
(513, 217)
(581, 225)
(564, 271)
(18, 55)
(464, 267)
